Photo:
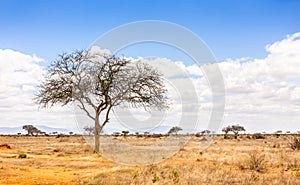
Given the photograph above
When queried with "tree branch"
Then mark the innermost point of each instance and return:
(106, 116)
(86, 111)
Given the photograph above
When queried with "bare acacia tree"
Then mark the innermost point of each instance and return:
(236, 129)
(99, 82)
(226, 130)
(89, 129)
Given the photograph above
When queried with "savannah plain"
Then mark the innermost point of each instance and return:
(69, 160)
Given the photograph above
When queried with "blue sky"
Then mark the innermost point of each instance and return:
(231, 28)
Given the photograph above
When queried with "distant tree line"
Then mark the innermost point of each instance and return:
(235, 129)
(33, 131)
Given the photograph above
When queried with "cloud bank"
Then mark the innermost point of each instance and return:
(20, 74)
(263, 94)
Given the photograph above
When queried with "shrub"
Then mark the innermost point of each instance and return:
(278, 133)
(293, 165)
(173, 175)
(258, 136)
(227, 137)
(256, 162)
(116, 134)
(140, 135)
(61, 135)
(155, 178)
(22, 156)
(136, 174)
(295, 144)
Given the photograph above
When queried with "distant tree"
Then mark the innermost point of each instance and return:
(205, 132)
(278, 133)
(226, 130)
(100, 82)
(32, 130)
(90, 130)
(202, 133)
(138, 134)
(29, 129)
(71, 133)
(116, 134)
(125, 133)
(174, 130)
(198, 134)
(234, 128)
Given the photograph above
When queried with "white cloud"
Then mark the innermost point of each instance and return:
(28, 88)
(266, 88)
(262, 94)
(97, 50)
(19, 76)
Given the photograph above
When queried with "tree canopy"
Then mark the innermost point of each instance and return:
(100, 82)
(32, 130)
(175, 130)
(234, 128)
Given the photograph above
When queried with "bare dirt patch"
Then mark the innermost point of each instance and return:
(4, 146)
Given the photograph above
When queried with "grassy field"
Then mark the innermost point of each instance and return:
(69, 160)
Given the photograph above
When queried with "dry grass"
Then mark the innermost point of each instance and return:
(69, 160)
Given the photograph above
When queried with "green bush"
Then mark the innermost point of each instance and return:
(22, 156)
(173, 175)
(155, 178)
(136, 174)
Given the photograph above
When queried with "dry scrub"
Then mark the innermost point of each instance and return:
(69, 160)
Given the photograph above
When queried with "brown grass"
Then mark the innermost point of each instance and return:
(69, 160)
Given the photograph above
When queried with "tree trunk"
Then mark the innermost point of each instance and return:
(97, 133)
(235, 135)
